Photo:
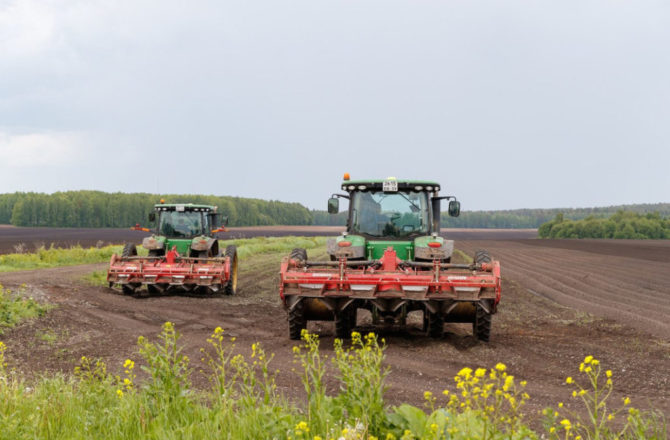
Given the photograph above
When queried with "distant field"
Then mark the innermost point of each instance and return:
(33, 238)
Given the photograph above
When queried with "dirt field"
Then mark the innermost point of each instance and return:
(33, 238)
(561, 301)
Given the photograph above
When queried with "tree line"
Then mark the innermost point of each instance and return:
(513, 219)
(623, 224)
(97, 209)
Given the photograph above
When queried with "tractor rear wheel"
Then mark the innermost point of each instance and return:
(481, 328)
(482, 256)
(296, 321)
(345, 321)
(298, 254)
(435, 325)
(129, 250)
(230, 288)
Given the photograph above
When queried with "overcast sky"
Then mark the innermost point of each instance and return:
(509, 104)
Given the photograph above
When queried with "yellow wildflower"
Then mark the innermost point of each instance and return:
(588, 359)
(500, 366)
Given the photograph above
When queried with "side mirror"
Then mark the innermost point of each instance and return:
(454, 208)
(333, 205)
(224, 220)
(152, 216)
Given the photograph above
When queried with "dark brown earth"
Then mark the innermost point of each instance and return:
(33, 238)
(562, 300)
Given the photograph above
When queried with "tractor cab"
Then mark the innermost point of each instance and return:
(184, 221)
(402, 214)
(188, 227)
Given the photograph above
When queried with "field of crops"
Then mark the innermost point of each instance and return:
(562, 301)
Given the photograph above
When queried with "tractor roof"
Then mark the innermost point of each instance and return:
(187, 207)
(403, 184)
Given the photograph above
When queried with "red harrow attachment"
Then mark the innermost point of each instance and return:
(173, 271)
(389, 287)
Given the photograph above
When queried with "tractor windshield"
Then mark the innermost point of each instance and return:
(182, 224)
(380, 214)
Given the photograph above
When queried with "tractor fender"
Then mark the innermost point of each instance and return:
(153, 243)
(202, 243)
(423, 252)
(354, 250)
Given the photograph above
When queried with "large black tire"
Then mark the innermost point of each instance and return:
(482, 256)
(296, 321)
(481, 328)
(298, 254)
(344, 322)
(435, 325)
(129, 250)
(230, 288)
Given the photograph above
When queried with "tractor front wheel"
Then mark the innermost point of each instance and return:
(296, 321)
(129, 250)
(230, 288)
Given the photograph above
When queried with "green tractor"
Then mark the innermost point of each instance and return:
(183, 253)
(391, 261)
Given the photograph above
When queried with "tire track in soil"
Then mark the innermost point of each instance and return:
(540, 340)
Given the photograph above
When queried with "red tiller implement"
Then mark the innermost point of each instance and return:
(445, 292)
(170, 271)
(390, 278)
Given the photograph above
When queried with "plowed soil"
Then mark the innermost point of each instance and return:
(562, 300)
(33, 238)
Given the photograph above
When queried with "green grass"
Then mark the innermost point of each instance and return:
(249, 247)
(244, 402)
(49, 336)
(55, 257)
(96, 278)
(15, 307)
